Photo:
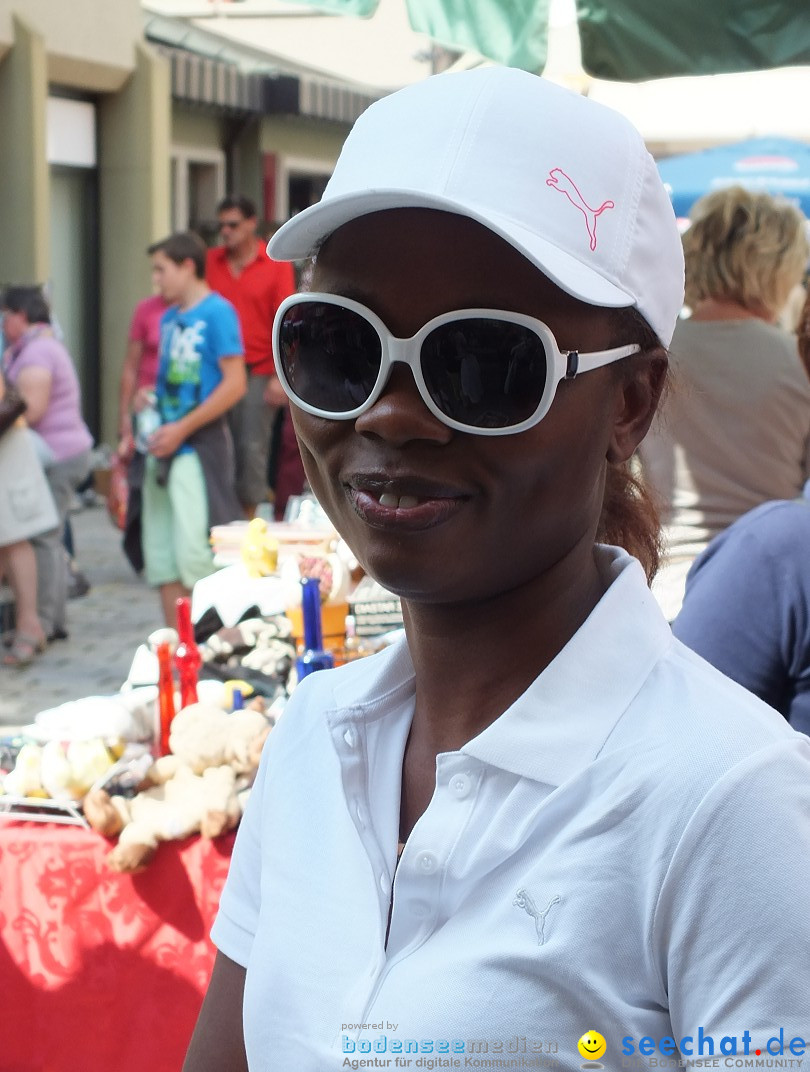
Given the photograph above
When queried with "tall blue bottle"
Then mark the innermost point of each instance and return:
(313, 656)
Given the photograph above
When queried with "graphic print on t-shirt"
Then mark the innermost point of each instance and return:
(184, 346)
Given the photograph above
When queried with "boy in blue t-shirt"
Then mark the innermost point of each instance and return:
(200, 377)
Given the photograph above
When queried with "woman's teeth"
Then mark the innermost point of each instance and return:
(404, 502)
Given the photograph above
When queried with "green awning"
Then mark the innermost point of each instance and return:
(511, 32)
(632, 40)
(623, 40)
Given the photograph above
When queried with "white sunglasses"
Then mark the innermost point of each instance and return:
(482, 371)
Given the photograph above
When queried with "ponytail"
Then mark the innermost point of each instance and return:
(630, 517)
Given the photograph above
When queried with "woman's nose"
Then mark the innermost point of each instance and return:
(400, 413)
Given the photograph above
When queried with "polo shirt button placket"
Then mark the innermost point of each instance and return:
(427, 863)
(348, 741)
(350, 737)
(460, 785)
(418, 880)
(420, 909)
(348, 744)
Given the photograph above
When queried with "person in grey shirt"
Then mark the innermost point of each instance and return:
(735, 429)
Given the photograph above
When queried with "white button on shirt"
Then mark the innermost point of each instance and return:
(598, 858)
(427, 863)
(460, 785)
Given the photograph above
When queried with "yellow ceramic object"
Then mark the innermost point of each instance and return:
(259, 550)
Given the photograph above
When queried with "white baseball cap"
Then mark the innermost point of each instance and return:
(565, 181)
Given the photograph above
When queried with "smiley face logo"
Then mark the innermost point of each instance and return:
(592, 1046)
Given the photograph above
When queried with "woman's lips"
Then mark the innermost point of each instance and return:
(405, 511)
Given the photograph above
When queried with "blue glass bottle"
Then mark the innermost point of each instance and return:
(313, 656)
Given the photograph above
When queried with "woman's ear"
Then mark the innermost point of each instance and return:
(640, 392)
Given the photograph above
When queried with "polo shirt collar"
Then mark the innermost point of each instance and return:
(561, 722)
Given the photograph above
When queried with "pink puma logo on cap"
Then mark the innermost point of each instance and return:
(558, 180)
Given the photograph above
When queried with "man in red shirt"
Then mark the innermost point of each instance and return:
(240, 270)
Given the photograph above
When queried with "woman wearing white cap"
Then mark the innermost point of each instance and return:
(538, 816)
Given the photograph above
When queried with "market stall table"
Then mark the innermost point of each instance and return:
(100, 970)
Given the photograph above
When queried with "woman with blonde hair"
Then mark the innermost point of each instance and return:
(735, 430)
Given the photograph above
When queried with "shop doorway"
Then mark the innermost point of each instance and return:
(74, 281)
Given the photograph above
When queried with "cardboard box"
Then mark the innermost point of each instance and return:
(333, 625)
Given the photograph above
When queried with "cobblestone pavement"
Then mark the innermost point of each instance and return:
(105, 628)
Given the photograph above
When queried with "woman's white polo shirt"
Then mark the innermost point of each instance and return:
(625, 850)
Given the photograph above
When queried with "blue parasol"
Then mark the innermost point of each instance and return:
(772, 165)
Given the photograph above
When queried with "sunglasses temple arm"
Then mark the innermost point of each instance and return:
(579, 362)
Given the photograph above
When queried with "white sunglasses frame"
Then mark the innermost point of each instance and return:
(564, 364)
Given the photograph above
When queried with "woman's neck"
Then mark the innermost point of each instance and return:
(31, 332)
(472, 664)
(728, 309)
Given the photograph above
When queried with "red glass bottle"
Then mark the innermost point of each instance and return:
(165, 698)
(187, 656)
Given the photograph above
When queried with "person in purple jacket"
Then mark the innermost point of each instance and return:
(43, 372)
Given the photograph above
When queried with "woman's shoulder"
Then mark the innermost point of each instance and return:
(45, 350)
(780, 340)
(694, 724)
(754, 349)
(689, 331)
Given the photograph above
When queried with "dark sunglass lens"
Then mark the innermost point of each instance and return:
(485, 373)
(330, 355)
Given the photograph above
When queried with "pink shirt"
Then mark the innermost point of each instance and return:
(145, 329)
(61, 425)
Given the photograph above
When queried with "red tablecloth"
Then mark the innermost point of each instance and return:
(100, 971)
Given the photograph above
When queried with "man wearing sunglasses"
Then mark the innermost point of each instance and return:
(240, 270)
(537, 813)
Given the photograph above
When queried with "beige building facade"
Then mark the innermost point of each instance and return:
(112, 135)
(84, 136)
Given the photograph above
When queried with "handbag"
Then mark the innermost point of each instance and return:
(12, 407)
(118, 493)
